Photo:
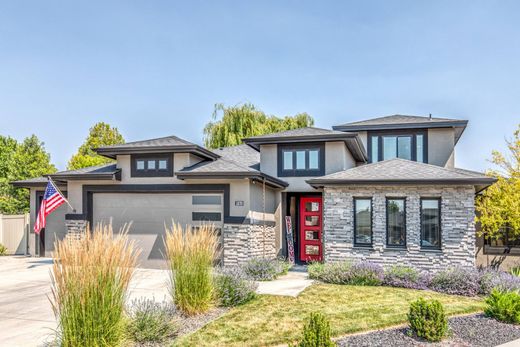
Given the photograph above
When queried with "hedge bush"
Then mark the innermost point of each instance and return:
(233, 287)
(427, 319)
(316, 332)
(503, 306)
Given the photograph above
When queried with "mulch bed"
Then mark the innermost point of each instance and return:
(190, 324)
(473, 330)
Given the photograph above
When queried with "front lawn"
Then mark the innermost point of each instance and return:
(272, 320)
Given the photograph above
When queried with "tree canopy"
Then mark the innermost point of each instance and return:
(499, 206)
(101, 134)
(246, 120)
(19, 161)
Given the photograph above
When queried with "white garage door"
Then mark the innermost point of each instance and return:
(149, 213)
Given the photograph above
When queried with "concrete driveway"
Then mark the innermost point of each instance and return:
(26, 317)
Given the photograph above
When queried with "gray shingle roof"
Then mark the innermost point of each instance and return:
(401, 171)
(401, 119)
(308, 131)
(98, 169)
(242, 154)
(161, 141)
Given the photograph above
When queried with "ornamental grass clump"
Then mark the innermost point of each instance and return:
(427, 319)
(456, 281)
(233, 287)
(191, 253)
(90, 278)
(151, 322)
(503, 306)
(316, 332)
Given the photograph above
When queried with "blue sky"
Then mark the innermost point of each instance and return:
(155, 68)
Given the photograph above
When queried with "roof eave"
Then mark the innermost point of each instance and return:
(198, 150)
(274, 182)
(253, 142)
(111, 176)
(475, 182)
(420, 125)
(21, 184)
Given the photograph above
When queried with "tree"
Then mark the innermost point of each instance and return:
(246, 120)
(101, 134)
(19, 161)
(499, 206)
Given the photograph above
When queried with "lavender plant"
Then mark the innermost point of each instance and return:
(233, 287)
(457, 281)
(366, 274)
(494, 279)
(405, 277)
(261, 269)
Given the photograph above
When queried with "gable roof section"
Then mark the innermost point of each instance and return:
(166, 144)
(399, 121)
(239, 161)
(311, 134)
(401, 171)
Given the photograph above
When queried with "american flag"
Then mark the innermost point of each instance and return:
(51, 201)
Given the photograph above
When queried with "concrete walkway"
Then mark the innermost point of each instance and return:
(291, 284)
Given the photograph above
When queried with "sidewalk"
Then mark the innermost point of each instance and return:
(291, 284)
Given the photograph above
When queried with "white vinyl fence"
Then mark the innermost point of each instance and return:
(13, 232)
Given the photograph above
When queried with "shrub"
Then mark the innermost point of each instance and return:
(261, 269)
(492, 279)
(366, 274)
(233, 287)
(334, 272)
(515, 271)
(90, 278)
(503, 306)
(3, 250)
(316, 332)
(427, 319)
(457, 281)
(151, 321)
(191, 253)
(405, 277)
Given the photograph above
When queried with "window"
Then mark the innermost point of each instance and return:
(362, 221)
(505, 243)
(206, 216)
(387, 145)
(206, 200)
(431, 223)
(301, 160)
(158, 165)
(396, 222)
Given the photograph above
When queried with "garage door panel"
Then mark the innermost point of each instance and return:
(148, 215)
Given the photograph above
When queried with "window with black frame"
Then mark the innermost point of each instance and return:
(362, 221)
(301, 160)
(158, 165)
(431, 223)
(396, 222)
(385, 146)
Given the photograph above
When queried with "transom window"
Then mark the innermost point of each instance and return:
(159, 165)
(396, 222)
(431, 223)
(385, 146)
(301, 160)
(362, 221)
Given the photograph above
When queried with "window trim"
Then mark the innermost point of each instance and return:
(357, 244)
(439, 204)
(168, 172)
(293, 147)
(398, 133)
(388, 198)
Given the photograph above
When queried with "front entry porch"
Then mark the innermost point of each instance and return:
(306, 213)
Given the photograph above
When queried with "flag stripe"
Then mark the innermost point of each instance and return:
(52, 199)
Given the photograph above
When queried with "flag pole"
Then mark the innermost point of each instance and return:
(59, 191)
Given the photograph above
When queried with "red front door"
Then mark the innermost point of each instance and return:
(310, 228)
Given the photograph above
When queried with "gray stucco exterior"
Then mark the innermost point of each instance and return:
(457, 226)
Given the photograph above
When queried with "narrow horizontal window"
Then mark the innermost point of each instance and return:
(362, 221)
(430, 223)
(396, 222)
(206, 216)
(206, 200)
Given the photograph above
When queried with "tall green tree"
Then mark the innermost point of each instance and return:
(499, 206)
(19, 161)
(246, 120)
(101, 134)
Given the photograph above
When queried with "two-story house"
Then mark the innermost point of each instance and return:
(383, 189)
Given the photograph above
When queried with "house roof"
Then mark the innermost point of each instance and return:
(311, 134)
(159, 145)
(98, 172)
(399, 121)
(239, 161)
(401, 171)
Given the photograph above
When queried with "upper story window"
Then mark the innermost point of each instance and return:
(410, 145)
(301, 160)
(152, 165)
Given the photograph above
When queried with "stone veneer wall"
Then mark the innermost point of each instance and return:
(457, 225)
(246, 241)
(76, 228)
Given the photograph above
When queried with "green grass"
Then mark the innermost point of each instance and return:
(272, 320)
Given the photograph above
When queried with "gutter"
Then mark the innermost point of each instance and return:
(271, 181)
